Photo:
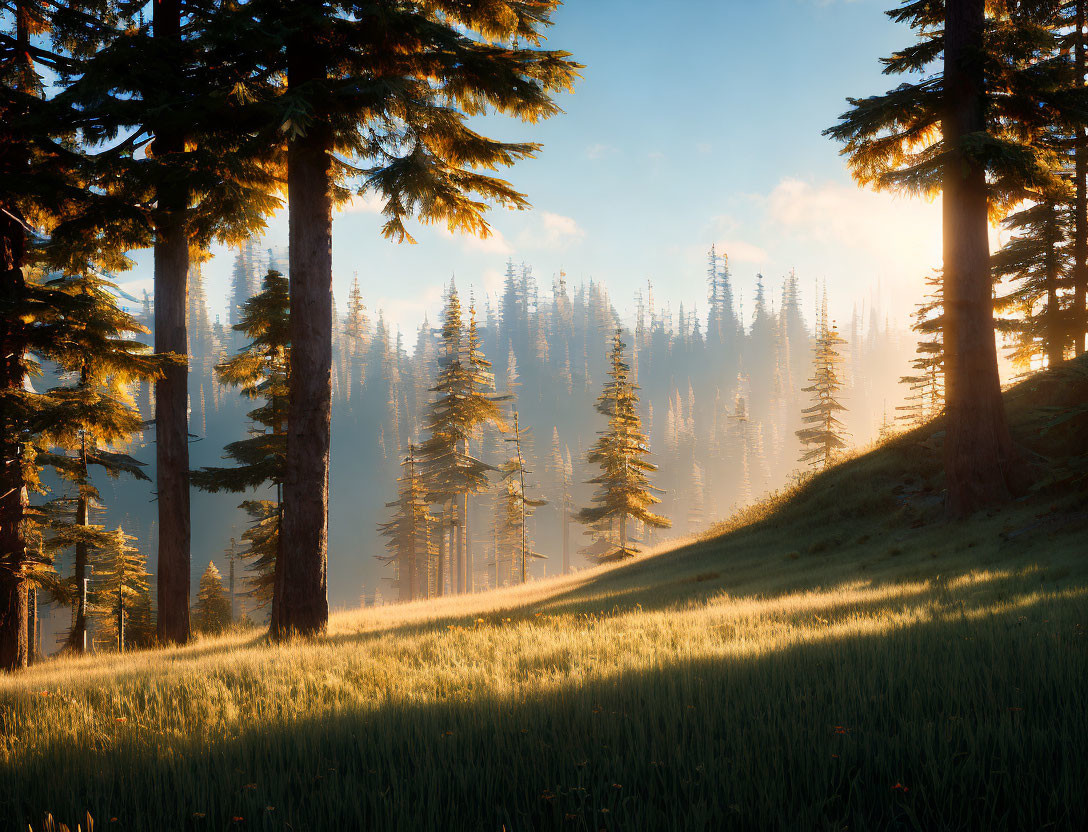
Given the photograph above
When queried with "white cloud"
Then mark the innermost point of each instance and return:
(741, 252)
(894, 231)
(494, 244)
(550, 231)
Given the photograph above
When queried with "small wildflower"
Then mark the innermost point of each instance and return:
(899, 787)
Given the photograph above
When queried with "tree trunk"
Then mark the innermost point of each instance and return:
(305, 599)
(171, 391)
(1056, 331)
(1080, 226)
(77, 638)
(440, 565)
(14, 646)
(979, 458)
(466, 562)
(32, 625)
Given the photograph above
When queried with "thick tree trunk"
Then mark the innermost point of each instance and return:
(171, 391)
(1080, 225)
(32, 625)
(304, 609)
(14, 644)
(979, 457)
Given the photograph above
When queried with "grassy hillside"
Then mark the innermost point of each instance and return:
(840, 658)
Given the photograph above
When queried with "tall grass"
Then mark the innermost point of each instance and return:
(840, 659)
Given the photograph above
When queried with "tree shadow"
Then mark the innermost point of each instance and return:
(972, 718)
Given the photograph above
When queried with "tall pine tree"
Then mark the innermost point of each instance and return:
(624, 492)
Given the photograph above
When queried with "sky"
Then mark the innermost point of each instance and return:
(695, 123)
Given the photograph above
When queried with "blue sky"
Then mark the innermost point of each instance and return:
(696, 122)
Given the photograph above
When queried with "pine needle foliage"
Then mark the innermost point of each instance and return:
(1037, 261)
(211, 612)
(122, 589)
(89, 421)
(925, 399)
(825, 435)
(624, 492)
(409, 534)
(516, 508)
(260, 371)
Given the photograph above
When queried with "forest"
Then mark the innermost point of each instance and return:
(267, 534)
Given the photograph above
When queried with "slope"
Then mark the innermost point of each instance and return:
(839, 657)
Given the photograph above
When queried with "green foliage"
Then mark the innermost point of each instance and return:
(825, 436)
(894, 142)
(408, 535)
(396, 86)
(1038, 261)
(624, 491)
(925, 400)
(462, 405)
(122, 592)
(211, 612)
(260, 371)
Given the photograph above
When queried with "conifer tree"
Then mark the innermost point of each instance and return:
(42, 181)
(357, 330)
(123, 588)
(260, 371)
(562, 478)
(408, 534)
(825, 435)
(211, 613)
(462, 406)
(1036, 260)
(90, 420)
(427, 68)
(624, 491)
(925, 400)
(962, 127)
(517, 505)
(166, 103)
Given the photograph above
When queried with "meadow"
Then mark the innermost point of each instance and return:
(841, 656)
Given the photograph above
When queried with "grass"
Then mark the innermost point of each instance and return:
(840, 657)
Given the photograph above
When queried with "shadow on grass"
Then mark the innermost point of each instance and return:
(971, 720)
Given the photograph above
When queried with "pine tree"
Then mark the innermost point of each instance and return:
(357, 330)
(408, 534)
(122, 589)
(562, 480)
(625, 492)
(260, 371)
(429, 68)
(825, 436)
(462, 406)
(1036, 260)
(193, 167)
(211, 613)
(90, 420)
(41, 185)
(925, 400)
(965, 129)
(518, 505)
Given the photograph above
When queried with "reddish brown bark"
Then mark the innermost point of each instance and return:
(304, 602)
(171, 391)
(1080, 224)
(979, 457)
(14, 644)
